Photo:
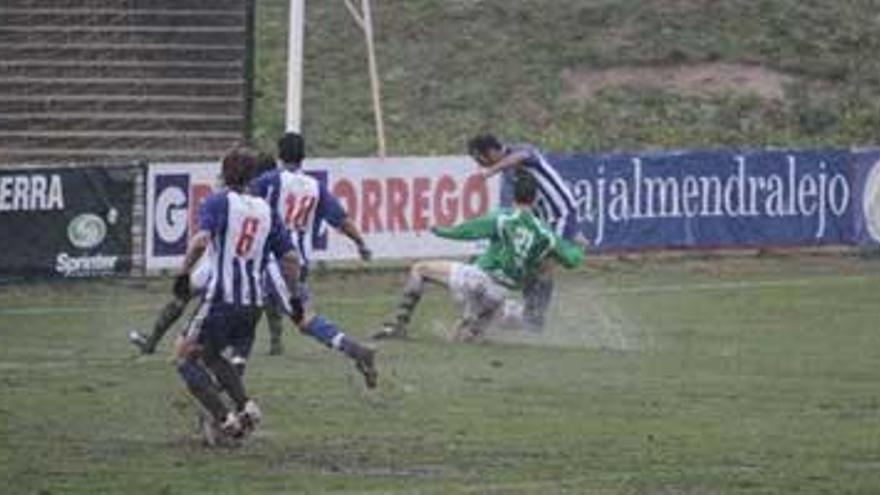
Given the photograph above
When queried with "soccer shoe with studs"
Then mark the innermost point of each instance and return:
(365, 362)
(251, 416)
(231, 426)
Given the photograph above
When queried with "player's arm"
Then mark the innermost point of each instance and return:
(567, 253)
(333, 213)
(212, 214)
(280, 244)
(510, 160)
(476, 228)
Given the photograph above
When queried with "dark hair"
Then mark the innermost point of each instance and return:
(525, 188)
(265, 163)
(482, 143)
(238, 167)
(291, 148)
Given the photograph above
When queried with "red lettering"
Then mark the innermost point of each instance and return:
(475, 188)
(197, 195)
(445, 204)
(398, 196)
(421, 202)
(372, 201)
(343, 189)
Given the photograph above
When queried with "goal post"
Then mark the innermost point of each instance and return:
(296, 38)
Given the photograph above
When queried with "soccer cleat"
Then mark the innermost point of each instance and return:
(367, 367)
(250, 416)
(365, 361)
(142, 343)
(231, 426)
(391, 331)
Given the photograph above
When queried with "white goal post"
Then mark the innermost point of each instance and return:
(296, 29)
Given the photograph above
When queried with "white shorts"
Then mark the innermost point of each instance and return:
(476, 291)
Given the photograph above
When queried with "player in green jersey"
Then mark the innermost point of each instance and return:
(519, 246)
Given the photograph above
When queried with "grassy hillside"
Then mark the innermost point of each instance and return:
(582, 74)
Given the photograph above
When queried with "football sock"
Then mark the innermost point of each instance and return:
(412, 294)
(169, 314)
(273, 320)
(328, 333)
(537, 296)
(202, 387)
(228, 377)
(324, 331)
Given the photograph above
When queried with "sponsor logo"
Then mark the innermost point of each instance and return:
(86, 231)
(412, 204)
(85, 266)
(170, 214)
(871, 202)
(619, 195)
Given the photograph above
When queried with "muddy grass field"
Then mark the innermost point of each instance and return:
(696, 376)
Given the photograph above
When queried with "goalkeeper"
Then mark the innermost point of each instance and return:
(519, 246)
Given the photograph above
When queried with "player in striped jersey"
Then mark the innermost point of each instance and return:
(303, 203)
(554, 205)
(238, 231)
(173, 309)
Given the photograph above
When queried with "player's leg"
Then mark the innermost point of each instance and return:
(190, 350)
(273, 321)
(537, 295)
(240, 328)
(482, 300)
(172, 311)
(329, 333)
(273, 306)
(421, 272)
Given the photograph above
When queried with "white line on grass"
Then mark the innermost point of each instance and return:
(638, 289)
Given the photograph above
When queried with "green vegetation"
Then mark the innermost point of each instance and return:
(452, 68)
(728, 376)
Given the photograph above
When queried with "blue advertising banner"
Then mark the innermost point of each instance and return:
(865, 171)
(715, 199)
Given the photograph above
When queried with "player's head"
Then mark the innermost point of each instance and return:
(291, 149)
(525, 189)
(238, 167)
(486, 149)
(265, 163)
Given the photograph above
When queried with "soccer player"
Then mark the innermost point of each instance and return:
(519, 245)
(554, 205)
(174, 308)
(303, 203)
(241, 231)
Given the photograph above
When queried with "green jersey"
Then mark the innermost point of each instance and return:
(518, 244)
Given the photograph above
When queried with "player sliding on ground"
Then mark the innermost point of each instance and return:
(554, 204)
(519, 247)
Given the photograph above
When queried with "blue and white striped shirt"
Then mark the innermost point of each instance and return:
(555, 204)
(244, 230)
